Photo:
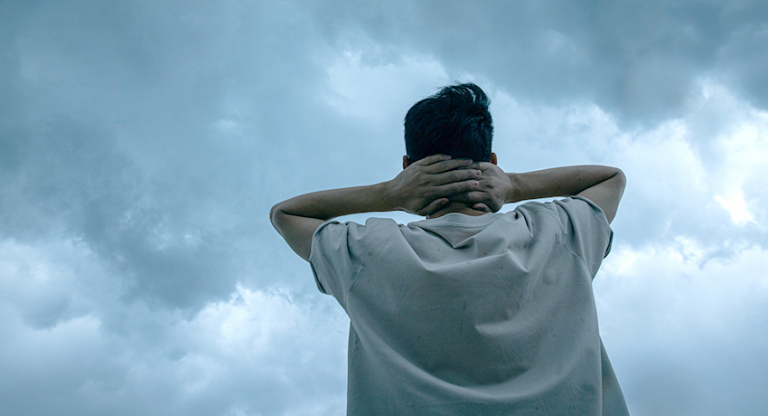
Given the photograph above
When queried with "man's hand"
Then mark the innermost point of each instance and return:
(602, 185)
(495, 188)
(422, 188)
(426, 185)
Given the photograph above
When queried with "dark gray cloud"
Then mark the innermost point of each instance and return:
(149, 130)
(142, 144)
(638, 60)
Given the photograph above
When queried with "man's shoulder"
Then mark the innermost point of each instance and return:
(459, 220)
(572, 204)
(333, 229)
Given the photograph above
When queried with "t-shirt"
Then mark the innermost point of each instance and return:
(473, 315)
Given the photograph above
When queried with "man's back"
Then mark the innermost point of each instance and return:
(459, 315)
(477, 314)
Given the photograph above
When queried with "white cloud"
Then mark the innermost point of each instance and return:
(142, 144)
(260, 351)
(685, 331)
(735, 204)
(379, 91)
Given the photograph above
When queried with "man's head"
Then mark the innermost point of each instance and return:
(455, 121)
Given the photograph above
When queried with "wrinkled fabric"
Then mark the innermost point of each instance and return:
(464, 315)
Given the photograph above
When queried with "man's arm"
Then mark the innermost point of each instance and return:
(422, 189)
(607, 194)
(602, 185)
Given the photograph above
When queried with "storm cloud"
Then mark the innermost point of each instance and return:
(142, 144)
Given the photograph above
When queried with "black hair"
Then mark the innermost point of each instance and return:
(455, 121)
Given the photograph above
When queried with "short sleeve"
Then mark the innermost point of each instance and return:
(588, 233)
(332, 261)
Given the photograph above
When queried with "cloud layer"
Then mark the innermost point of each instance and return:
(142, 144)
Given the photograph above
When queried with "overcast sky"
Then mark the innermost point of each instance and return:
(143, 142)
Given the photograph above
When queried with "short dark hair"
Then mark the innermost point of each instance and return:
(455, 121)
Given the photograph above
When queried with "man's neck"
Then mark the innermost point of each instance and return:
(457, 207)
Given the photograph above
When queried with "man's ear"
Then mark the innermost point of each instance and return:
(406, 162)
(493, 158)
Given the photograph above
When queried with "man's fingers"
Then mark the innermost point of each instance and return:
(481, 165)
(479, 199)
(455, 176)
(446, 165)
(482, 207)
(454, 188)
(432, 159)
(470, 197)
(433, 207)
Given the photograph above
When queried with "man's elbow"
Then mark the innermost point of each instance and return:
(274, 217)
(614, 192)
(621, 181)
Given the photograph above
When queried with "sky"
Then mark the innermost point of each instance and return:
(142, 144)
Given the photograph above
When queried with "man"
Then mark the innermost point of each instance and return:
(469, 312)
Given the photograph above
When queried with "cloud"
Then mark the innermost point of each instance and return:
(148, 131)
(698, 175)
(356, 85)
(638, 61)
(674, 321)
(126, 358)
(142, 144)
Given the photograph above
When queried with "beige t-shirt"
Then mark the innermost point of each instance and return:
(463, 315)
